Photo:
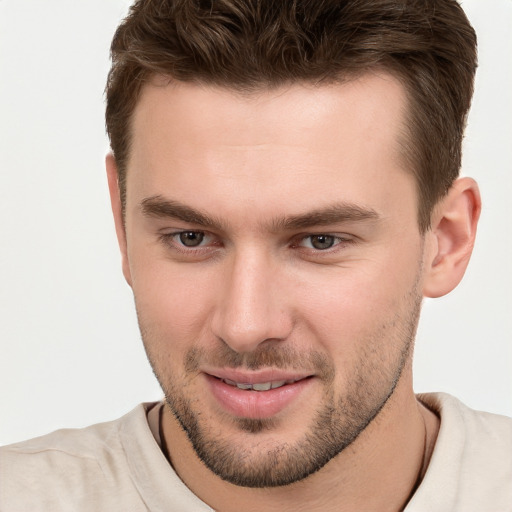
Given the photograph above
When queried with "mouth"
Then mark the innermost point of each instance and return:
(259, 386)
(256, 395)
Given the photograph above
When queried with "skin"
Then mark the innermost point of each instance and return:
(258, 296)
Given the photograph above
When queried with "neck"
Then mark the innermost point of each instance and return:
(379, 471)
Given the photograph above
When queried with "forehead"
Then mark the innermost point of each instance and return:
(293, 111)
(214, 146)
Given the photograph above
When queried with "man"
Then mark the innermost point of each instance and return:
(284, 183)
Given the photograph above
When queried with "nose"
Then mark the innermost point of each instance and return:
(252, 307)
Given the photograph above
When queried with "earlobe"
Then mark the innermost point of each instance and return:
(451, 238)
(115, 201)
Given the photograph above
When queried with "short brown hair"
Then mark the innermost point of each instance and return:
(248, 45)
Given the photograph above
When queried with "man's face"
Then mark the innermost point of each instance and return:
(272, 242)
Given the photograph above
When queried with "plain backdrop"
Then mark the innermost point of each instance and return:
(70, 352)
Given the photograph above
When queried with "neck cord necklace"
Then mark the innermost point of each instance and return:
(163, 443)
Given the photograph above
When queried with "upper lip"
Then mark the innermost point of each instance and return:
(256, 377)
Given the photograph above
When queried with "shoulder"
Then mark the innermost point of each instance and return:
(489, 434)
(67, 469)
(471, 467)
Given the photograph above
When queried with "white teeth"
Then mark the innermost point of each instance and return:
(262, 386)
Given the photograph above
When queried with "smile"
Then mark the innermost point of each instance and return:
(257, 395)
(260, 386)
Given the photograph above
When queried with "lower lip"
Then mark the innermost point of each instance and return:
(255, 404)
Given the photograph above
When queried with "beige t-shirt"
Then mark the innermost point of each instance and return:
(118, 466)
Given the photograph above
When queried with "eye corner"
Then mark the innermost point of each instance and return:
(323, 241)
(175, 244)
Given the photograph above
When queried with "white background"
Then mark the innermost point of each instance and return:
(70, 352)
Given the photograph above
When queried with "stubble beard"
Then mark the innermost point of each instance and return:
(337, 422)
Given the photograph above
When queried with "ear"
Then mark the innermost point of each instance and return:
(451, 238)
(115, 201)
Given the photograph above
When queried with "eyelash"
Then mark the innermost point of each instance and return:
(169, 239)
(337, 239)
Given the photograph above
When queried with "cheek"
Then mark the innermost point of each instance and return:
(359, 304)
(172, 310)
(344, 308)
(172, 301)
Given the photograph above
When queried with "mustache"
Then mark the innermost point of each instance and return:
(277, 356)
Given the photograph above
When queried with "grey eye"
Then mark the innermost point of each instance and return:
(321, 242)
(191, 238)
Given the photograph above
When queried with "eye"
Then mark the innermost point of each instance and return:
(190, 238)
(320, 242)
(190, 245)
(187, 241)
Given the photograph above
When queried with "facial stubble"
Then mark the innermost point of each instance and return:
(268, 461)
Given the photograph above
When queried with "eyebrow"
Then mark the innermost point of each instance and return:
(333, 214)
(160, 207)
